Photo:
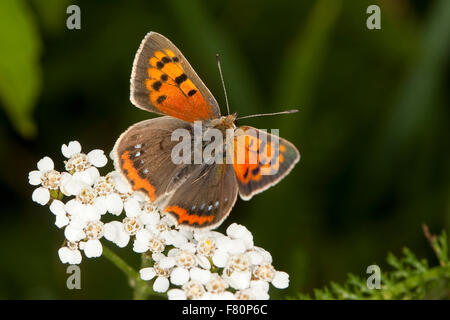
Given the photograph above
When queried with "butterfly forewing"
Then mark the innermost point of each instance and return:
(163, 81)
(260, 160)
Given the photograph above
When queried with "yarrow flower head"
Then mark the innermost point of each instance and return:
(184, 264)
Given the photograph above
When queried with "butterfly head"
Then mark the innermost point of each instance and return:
(224, 122)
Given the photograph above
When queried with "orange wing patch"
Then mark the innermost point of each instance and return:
(254, 157)
(190, 218)
(138, 184)
(172, 92)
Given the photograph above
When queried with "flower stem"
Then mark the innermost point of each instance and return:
(120, 263)
(141, 290)
(139, 286)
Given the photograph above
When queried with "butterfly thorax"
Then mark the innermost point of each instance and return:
(223, 123)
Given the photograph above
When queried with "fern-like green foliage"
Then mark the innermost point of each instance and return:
(409, 278)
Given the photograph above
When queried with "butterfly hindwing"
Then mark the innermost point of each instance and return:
(206, 198)
(163, 81)
(143, 156)
(261, 160)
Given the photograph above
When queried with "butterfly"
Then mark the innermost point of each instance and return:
(194, 195)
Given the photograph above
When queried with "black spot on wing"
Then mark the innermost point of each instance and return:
(161, 98)
(156, 85)
(192, 92)
(246, 173)
(180, 79)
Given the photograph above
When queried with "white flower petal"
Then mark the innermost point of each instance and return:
(179, 276)
(200, 275)
(57, 207)
(93, 249)
(94, 174)
(202, 234)
(176, 294)
(188, 246)
(114, 231)
(73, 148)
(255, 258)
(237, 246)
(41, 196)
(132, 207)
(158, 256)
(97, 158)
(88, 176)
(227, 295)
(203, 262)
(65, 177)
(73, 233)
(120, 183)
(114, 204)
(34, 177)
(174, 238)
(239, 280)
(264, 253)
(161, 284)
(188, 234)
(223, 243)
(280, 280)
(100, 203)
(168, 220)
(64, 254)
(73, 207)
(167, 262)
(69, 256)
(259, 285)
(61, 220)
(147, 273)
(151, 218)
(71, 186)
(91, 213)
(237, 231)
(143, 235)
(260, 295)
(45, 164)
(140, 246)
(173, 252)
(220, 258)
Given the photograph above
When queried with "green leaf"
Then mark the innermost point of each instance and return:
(20, 72)
(410, 278)
(52, 14)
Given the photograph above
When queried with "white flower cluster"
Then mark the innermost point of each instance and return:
(186, 264)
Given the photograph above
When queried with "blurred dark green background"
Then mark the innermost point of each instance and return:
(373, 127)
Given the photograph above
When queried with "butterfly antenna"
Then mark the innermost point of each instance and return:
(223, 82)
(268, 114)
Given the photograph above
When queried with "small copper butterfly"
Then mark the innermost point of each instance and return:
(194, 195)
